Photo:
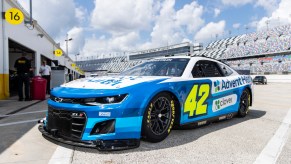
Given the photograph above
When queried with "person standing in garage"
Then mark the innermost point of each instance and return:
(45, 71)
(23, 67)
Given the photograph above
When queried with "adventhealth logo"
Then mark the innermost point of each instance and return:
(216, 86)
(224, 102)
(228, 84)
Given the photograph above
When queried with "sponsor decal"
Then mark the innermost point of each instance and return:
(217, 86)
(105, 114)
(229, 84)
(113, 81)
(77, 114)
(202, 123)
(224, 102)
(222, 118)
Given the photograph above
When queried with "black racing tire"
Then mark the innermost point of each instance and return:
(244, 103)
(159, 117)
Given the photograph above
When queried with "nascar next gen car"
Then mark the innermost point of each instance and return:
(146, 101)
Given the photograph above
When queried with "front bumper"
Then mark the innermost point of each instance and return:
(102, 145)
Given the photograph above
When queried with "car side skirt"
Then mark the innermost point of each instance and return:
(208, 120)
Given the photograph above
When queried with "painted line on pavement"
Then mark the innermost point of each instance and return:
(8, 115)
(62, 155)
(273, 149)
(22, 108)
(19, 122)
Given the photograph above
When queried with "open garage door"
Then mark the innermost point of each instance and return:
(15, 51)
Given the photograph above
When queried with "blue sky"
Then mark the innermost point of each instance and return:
(102, 27)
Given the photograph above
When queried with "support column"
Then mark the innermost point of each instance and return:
(37, 63)
(4, 59)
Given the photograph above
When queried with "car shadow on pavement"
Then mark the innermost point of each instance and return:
(179, 137)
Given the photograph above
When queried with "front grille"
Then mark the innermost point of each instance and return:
(66, 100)
(66, 124)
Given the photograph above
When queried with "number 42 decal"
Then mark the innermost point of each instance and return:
(195, 103)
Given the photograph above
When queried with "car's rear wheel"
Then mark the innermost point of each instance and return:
(244, 103)
(158, 118)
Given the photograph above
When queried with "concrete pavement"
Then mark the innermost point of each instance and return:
(239, 140)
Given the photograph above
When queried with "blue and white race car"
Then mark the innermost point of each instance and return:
(146, 101)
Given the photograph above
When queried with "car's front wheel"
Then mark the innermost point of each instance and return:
(158, 118)
(244, 103)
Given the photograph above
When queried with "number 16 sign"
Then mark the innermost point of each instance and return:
(14, 16)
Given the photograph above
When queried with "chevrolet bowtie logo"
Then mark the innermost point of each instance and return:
(57, 99)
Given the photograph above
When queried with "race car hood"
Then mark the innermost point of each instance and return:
(111, 82)
(106, 85)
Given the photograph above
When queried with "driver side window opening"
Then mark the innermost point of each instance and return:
(205, 68)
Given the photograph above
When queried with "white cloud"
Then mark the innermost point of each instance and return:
(236, 25)
(190, 16)
(103, 45)
(164, 24)
(58, 18)
(216, 12)
(268, 5)
(118, 27)
(164, 28)
(75, 46)
(280, 16)
(122, 16)
(210, 31)
(173, 26)
(236, 2)
(54, 16)
(81, 13)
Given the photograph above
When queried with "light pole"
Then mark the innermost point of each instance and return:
(67, 48)
(267, 23)
(76, 57)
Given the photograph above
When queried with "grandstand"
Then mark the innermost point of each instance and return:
(262, 52)
(118, 64)
(111, 65)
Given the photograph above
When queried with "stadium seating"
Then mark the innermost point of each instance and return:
(275, 40)
(274, 64)
(114, 65)
(241, 52)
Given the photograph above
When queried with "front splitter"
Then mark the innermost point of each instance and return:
(102, 145)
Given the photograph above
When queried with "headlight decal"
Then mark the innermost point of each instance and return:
(104, 100)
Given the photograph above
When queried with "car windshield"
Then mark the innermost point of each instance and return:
(159, 67)
(258, 77)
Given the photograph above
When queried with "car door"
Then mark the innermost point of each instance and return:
(206, 99)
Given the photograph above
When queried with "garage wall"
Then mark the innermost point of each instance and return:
(28, 38)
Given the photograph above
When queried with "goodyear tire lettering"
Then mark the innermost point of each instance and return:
(173, 116)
